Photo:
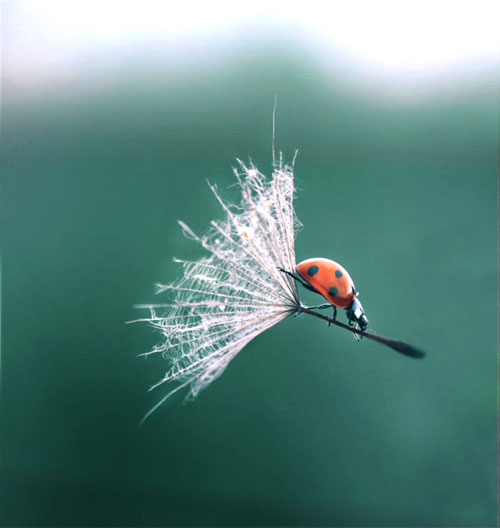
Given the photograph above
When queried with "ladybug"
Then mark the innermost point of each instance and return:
(333, 282)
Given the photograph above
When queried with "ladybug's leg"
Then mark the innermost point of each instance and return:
(334, 316)
(324, 307)
(298, 279)
(352, 323)
(321, 306)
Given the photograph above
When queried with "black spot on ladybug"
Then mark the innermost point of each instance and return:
(312, 270)
(333, 291)
(338, 274)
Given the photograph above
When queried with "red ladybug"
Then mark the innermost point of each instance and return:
(333, 282)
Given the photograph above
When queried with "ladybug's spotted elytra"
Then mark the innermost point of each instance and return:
(333, 282)
(329, 279)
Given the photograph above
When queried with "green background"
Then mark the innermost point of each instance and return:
(305, 427)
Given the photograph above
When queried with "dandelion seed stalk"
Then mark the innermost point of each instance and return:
(399, 346)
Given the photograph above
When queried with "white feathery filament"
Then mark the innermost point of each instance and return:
(237, 291)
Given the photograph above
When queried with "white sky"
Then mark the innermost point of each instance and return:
(397, 37)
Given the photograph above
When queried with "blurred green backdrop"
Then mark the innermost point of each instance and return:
(305, 427)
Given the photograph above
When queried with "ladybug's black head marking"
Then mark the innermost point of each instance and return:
(356, 314)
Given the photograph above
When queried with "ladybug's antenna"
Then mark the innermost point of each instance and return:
(395, 344)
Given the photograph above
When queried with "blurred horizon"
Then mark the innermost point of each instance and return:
(48, 45)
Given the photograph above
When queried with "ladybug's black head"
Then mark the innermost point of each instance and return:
(356, 314)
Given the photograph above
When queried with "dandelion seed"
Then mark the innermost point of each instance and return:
(227, 298)
(246, 284)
